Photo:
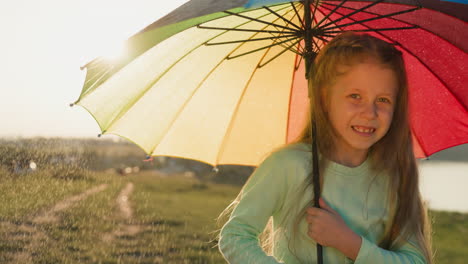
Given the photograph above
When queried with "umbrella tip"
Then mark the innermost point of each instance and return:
(102, 133)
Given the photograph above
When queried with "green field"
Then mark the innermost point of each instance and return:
(172, 220)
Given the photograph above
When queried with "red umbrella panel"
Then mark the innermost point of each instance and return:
(436, 62)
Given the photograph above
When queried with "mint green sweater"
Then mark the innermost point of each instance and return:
(275, 190)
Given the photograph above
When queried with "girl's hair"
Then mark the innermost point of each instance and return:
(393, 154)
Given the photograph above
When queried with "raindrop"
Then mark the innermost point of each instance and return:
(32, 165)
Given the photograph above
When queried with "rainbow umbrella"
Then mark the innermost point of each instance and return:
(223, 83)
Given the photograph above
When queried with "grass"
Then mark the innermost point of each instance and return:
(450, 237)
(28, 194)
(174, 219)
(183, 211)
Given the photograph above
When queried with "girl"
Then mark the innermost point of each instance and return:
(371, 209)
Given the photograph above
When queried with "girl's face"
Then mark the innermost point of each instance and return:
(360, 107)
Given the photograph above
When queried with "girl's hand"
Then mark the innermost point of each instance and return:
(328, 229)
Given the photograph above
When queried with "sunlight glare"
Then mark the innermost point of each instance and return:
(115, 52)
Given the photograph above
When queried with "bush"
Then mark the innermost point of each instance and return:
(65, 172)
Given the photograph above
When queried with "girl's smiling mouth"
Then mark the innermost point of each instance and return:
(362, 130)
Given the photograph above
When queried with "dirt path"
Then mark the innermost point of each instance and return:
(126, 228)
(122, 201)
(49, 216)
(35, 234)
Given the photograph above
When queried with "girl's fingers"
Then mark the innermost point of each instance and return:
(311, 218)
(325, 206)
(313, 210)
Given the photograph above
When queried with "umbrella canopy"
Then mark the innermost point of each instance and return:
(223, 81)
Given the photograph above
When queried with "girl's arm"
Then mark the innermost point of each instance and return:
(262, 196)
(406, 254)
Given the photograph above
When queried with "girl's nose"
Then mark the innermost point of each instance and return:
(369, 111)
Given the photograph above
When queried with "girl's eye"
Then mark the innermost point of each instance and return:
(355, 96)
(383, 100)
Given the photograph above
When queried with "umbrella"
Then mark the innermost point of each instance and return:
(178, 94)
(223, 82)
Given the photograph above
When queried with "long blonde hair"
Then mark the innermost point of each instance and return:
(392, 154)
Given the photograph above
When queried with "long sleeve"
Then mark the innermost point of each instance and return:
(406, 254)
(262, 196)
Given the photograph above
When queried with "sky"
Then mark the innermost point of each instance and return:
(42, 47)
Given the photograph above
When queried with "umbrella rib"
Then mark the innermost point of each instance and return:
(279, 54)
(374, 18)
(313, 39)
(352, 13)
(422, 63)
(330, 13)
(248, 40)
(260, 21)
(315, 43)
(230, 126)
(300, 48)
(322, 34)
(252, 51)
(284, 19)
(419, 142)
(321, 38)
(298, 64)
(370, 13)
(290, 47)
(297, 13)
(245, 29)
(262, 48)
(375, 30)
(286, 47)
(316, 4)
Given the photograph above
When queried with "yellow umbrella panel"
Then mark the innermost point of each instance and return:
(219, 104)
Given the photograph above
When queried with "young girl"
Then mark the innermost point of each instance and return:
(371, 209)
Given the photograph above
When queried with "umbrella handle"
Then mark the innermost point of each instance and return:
(309, 58)
(316, 182)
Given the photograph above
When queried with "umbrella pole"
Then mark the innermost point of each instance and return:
(309, 57)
